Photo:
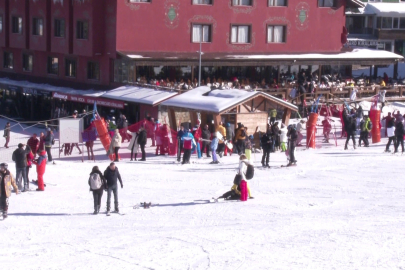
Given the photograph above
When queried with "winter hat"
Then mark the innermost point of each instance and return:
(4, 165)
(20, 145)
(228, 125)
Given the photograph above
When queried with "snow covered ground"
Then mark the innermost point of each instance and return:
(336, 210)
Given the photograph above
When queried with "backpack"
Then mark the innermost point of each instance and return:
(95, 181)
(250, 172)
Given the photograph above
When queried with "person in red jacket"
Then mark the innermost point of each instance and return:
(33, 143)
(30, 158)
(41, 165)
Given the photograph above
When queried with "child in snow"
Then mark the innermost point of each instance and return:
(214, 147)
(41, 165)
(97, 184)
(6, 180)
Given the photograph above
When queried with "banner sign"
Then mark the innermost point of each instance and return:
(90, 100)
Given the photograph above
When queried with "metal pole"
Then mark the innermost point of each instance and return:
(199, 68)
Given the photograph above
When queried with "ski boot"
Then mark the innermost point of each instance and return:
(4, 215)
(116, 209)
(95, 210)
(108, 209)
(388, 150)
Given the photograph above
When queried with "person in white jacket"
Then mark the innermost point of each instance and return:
(283, 137)
(391, 134)
(133, 145)
(243, 161)
(116, 143)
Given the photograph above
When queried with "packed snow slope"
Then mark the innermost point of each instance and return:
(336, 210)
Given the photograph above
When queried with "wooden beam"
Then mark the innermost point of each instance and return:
(172, 118)
(246, 107)
(263, 101)
(217, 119)
(286, 116)
(193, 118)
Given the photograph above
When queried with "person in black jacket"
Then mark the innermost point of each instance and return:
(180, 134)
(97, 193)
(292, 141)
(20, 159)
(399, 133)
(206, 143)
(111, 175)
(142, 139)
(351, 128)
(266, 141)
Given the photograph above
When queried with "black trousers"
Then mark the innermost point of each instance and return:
(132, 151)
(266, 155)
(221, 147)
(291, 148)
(116, 149)
(241, 146)
(143, 151)
(186, 155)
(206, 145)
(230, 195)
(348, 139)
(48, 152)
(179, 149)
(3, 200)
(364, 138)
(400, 140)
(97, 194)
(391, 139)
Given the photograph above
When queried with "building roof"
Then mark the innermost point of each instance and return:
(357, 56)
(385, 9)
(219, 101)
(141, 95)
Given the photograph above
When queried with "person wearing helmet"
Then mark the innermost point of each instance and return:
(6, 180)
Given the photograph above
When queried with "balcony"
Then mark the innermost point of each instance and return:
(389, 33)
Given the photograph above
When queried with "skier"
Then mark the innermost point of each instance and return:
(327, 127)
(133, 145)
(20, 159)
(111, 175)
(229, 138)
(283, 137)
(6, 180)
(221, 145)
(214, 147)
(180, 134)
(142, 140)
(49, 141)
(391, 134)
(387, 119)
(292, 136)
(7, 134)
(116, 144)
(399, 134)
(97, 184)
(33, 143)
(351, 131)
(266, 141)
(365, 128)
(188, 142)
(206, 144)
(41, 165)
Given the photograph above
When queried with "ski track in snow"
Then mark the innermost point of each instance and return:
(336, 210)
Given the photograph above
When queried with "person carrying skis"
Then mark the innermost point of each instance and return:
(97, 184)
(111, 175)
(266, 142)
(214, 146)
(6, 180)
(180, 135)
(20, 159)
(351, 131)
(188, 142)
(41, 165)
(292, 137)
(206, 141)
(391, 134)
(399, 134)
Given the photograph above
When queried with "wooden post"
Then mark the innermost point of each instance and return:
(286, 116)
(217, 119)
(193, 118)
(192, 74)
(320, 72)
(172, 118)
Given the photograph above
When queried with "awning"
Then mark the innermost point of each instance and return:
(219, 101)
(143, 95)
(385, 9)
(360, 56)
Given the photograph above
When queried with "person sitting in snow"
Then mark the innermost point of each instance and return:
(41, 165)
(6, 180)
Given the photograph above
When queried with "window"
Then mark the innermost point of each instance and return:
(37, 27)
(8, 60)
(27, 62)
(1, 23)
(53, 65)
(59, 28)
(242, 2)
(275, 34)
(82, 30)
(93, 71)
(16, 25)
(326, 3)
(386, 22)
(201, 33)
(202, 2)
(277, 3)
(70, 68)
(402, 23)
(240, 34)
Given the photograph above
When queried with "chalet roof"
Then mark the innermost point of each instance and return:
(219, 101)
